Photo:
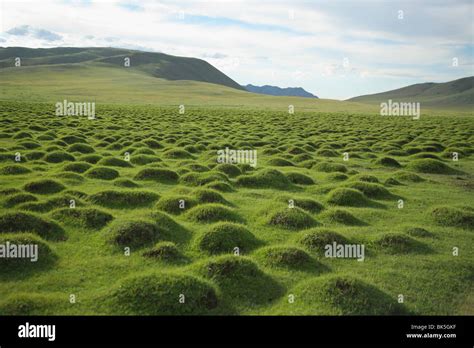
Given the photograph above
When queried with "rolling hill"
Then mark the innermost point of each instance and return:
(277, 91)
(154, 64)
(454, 94)
(98, 74)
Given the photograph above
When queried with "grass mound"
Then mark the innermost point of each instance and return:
(209, 196)
(308, 204)
(279, 162)
(176, 204)
(424, 155)
(124, 199)
(14, 169)
(114, 162)
(317, 239)
(43, 187)
(326, 153)
(92, 159)
(24, 222)
(50, 204)
(195, 167)
(418, 232)
(19, 198)
(211, 213)
(453, 217)
(171, 230)
(133, 233)
(45, 255)
(102, 173)
(58, 157)
(153, 144)
(224, 237)
(371, 190)
(430, 166)
(365, 178)
(230, 170)
(308, 164)
(219, 186)
(343, 295)
(398, 243)
(304, 157)
(72, 139)
(240, 280)
(82, 148)
(267, 178)
(30, 304)
(177, 154)
(329, 167)
(334, 177)
(9, 191)
(200, 179)
(164, 251)
(144, 159)
(35, 155)
(286, 257)
(125, 183)
(77, 167)
(392, 182)
(347, 197)
(157, 174)
(29, 145)
(388, 162)
(291, 219)
(341, 216)
(407, 177)
(84, 217)
(299, 178)
(69, 177)
(160, 294)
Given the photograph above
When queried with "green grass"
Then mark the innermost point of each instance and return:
(191, 249)
(106, 84)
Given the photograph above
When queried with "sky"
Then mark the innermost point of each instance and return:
(334, 49)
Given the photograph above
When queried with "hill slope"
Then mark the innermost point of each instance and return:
(277, 91)
(98, 74)
(106, 84)
(457, 93)
(155, 64)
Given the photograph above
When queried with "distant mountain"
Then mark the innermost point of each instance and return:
(154, 64)
(277, 91)
(457, 93)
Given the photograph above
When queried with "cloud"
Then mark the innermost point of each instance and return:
(216, 55)
(37, 33)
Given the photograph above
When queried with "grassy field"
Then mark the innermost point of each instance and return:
(111, 85)
(129, 171)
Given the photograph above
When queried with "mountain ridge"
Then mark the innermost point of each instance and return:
(459, 92)
(278, 91)
(155, 64)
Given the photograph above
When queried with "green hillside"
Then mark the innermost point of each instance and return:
(453, 94)
(104, 83)
(155, 64)
(98, 74)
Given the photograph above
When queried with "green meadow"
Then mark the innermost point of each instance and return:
(133, 215)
